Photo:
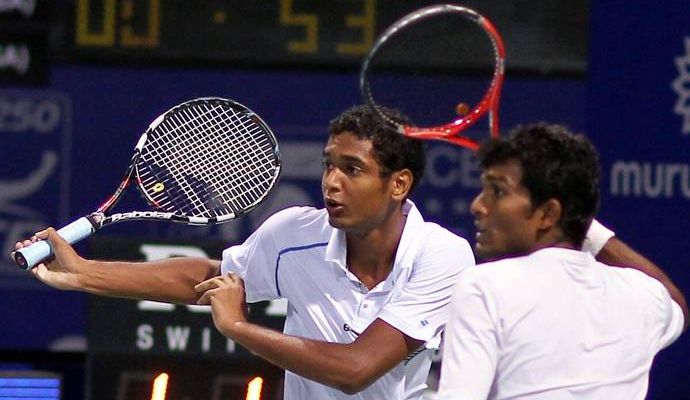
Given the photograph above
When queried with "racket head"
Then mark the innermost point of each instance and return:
(207, 160)
(451, 130)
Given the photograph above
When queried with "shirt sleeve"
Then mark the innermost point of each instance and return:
(420, 309)
(470, 343)
(666, 315)
(255, 259)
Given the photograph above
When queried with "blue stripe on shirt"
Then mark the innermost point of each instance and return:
(288, 250)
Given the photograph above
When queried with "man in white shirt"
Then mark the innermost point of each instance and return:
(368, 281)
(543, 319)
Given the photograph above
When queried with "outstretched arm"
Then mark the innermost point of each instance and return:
(613, 251)
(347, 367)
(170, 280)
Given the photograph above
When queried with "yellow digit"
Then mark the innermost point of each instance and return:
(310, 22)
(367, 23)
(160, 387)
(254, 388)
(85, 37)
(151, 38)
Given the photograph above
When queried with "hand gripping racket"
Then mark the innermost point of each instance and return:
(205, 161)
(453, 131)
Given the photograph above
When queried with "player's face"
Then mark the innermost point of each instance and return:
(504, 217)
(357, 198)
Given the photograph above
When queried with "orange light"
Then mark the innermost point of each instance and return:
(254, 388)
(160, 386)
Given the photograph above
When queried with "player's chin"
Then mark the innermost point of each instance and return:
(337, 222)
(484, 251)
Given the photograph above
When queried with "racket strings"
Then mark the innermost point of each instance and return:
(209, 160)
(413, 66)
(235, 154)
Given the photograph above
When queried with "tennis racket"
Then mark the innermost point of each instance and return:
(204, 161)
(441, 34)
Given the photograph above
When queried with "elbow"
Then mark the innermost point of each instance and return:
(351, 388)
(355, 379)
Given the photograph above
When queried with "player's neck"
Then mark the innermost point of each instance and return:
(370, 256)
(552, 238)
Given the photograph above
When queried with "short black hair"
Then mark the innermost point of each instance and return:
(556, 164)
(393, 151)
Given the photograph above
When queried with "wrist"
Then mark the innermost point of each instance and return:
(230, 329)
(596, 237)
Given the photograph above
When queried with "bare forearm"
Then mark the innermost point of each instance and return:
(615, 252)
(170, 280)
(348, 367)
(332, 364)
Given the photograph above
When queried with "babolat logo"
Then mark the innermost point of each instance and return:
(15, 56)
(140, 214)
(681, 85)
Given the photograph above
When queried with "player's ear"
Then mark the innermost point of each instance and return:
(401, 182)
(551, 214)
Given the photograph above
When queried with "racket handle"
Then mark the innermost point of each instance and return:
(28, 257)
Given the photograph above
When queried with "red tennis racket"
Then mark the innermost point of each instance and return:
(417, 29)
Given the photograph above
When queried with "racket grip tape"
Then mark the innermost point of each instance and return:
(28, 257)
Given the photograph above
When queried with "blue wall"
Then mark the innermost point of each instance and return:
(638, 113)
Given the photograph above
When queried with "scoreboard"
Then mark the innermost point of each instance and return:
(541, 35)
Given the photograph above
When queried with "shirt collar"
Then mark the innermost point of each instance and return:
(336, 250)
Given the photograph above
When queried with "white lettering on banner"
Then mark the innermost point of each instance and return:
(25, 114)
(26, 7)
(34, 191)
(448, 167)
(206, 340)
(144, 337)
(153, 252)
(178, 337)
(644, 179)
(681, 85)
(16, 56)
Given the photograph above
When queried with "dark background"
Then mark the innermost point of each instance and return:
(80, 80)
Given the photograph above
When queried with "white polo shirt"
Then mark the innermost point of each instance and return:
(296, 254)
(555, 325)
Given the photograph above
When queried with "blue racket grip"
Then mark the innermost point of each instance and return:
(28, 257)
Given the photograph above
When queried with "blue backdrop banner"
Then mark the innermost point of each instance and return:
(639, 116)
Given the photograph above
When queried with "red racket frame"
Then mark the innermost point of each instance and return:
(450, 132)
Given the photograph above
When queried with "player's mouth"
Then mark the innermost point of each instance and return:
(333, 207)
(481, 232)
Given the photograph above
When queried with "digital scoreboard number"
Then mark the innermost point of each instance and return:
(144, 350)
(275, 31)
(136, 377)
(549, 35)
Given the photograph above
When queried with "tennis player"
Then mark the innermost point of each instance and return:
(368, 281)
(544, 319)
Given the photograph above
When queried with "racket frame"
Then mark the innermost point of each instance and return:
(450, 132)
(29, 256)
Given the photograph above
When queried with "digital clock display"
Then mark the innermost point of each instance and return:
(307, 33)
(275, 31)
